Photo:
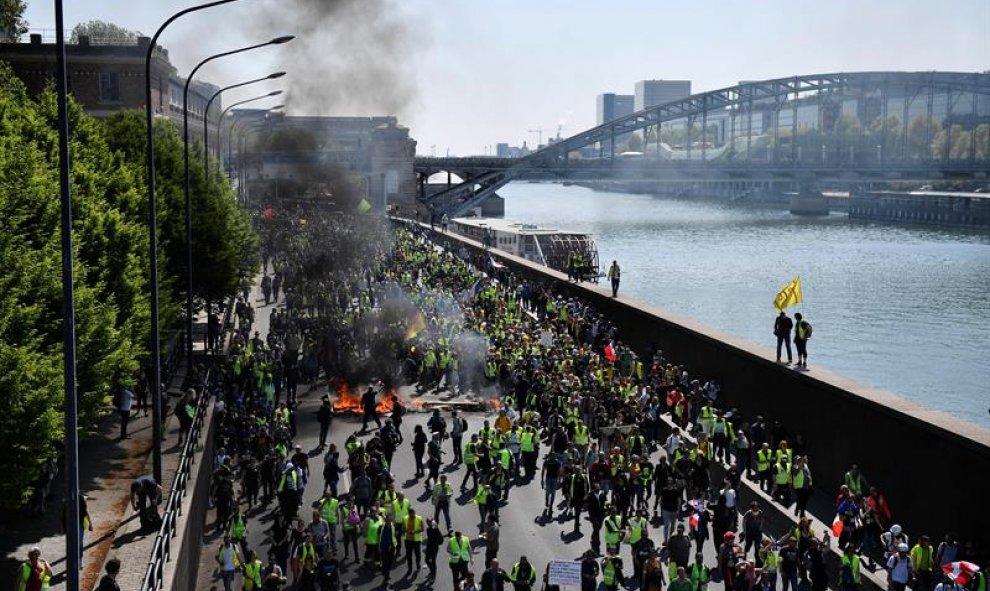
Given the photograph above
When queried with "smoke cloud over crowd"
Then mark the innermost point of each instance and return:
(350, 57)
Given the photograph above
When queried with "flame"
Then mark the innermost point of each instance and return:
(349, 402)
(496, 404)
(417, 405)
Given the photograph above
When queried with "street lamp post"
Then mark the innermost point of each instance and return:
(185, 140)
(73, 539)
(238, 103)
(154, 380)
(206, 111)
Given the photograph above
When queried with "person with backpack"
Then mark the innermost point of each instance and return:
(351, 521)
(34, 573)
(802, 333)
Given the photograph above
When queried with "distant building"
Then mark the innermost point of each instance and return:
(376, 152)
(650, 93)
(610, 106)
(108, 77)
(504, 150)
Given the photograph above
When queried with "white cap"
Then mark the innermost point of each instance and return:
(895, 529)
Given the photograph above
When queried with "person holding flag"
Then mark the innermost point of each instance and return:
(790, 295)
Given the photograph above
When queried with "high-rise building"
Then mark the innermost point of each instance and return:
(611, 106)
(650, 93)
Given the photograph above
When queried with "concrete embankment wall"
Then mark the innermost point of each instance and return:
(931, 466)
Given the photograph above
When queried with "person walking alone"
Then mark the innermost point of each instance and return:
(802, 332)
(782, 326)
(614, 274)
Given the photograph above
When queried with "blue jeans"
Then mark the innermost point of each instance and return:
(551, 492)
(789, 579)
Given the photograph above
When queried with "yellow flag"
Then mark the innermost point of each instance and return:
(364, 206)
(789, 295)
(416, 325)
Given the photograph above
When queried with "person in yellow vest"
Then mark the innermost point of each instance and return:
(34, 573)
(613, 531)
(523, 575)
(237, 530)
(470, 457)
(303, 552)
(252, 572)
(849, 576)
(399, 509)
(801, 483)
(782, 481)
(459, 550)
(414, 530)
(764, 461)
(443, 491)
(698, 573)
(372, 525)
(769, 558)
(923, 564)
(529, 443)
(330, 512)
(229, 561)
(612, 571)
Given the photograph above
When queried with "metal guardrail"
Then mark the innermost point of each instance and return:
(161, 552)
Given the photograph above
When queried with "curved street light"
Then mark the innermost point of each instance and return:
(185, 142)
(238, 103)
(206, 132)
(154, 380)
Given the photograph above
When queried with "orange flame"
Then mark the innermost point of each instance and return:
(348, 402)
(496, 404)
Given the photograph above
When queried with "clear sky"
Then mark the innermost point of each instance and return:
(482, 72)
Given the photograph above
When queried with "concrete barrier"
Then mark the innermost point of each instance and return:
(931, 466)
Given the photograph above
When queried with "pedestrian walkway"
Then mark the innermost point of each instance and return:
(108, 466)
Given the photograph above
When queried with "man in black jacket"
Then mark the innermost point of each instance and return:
(782, 326)
(494, 578)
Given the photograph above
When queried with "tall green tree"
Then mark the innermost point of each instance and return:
(109, 285)
(12, 23)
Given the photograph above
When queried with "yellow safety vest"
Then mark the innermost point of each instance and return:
(371, 537)
(400, 509)
(783, 474)
(763, 460)
(252, 573)
(581, 435)
(469, 458)
(853, 564)
(328, 510)
(414, 528)
(459, 550)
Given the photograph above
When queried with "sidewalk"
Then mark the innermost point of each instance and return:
(107, 468)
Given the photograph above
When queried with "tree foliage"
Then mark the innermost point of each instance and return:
(12, 23)
(103, 32)
(111, 267)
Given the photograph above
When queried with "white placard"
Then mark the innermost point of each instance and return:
(565, 572)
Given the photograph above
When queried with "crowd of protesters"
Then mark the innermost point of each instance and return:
(578, 414)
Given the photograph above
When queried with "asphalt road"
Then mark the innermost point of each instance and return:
(523, 529)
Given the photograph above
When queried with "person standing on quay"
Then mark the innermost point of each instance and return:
(802, 332)
(614, 274)
(782, 326)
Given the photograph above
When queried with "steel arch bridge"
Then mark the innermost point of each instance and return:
(870, 125)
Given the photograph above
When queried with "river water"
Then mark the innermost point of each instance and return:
(902, 308)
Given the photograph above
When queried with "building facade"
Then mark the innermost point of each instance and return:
(650, 93)
(105, 78)
(375, 154)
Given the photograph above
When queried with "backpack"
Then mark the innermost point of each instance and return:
(352, 517)
(807, 330)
